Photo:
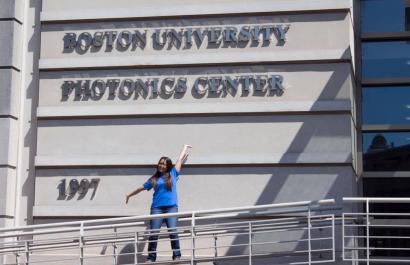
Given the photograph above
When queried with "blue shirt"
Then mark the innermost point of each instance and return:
(162, 196)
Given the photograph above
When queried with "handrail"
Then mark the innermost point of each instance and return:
(179, 214)
(313, 221)
(306, 218)
(376, 199)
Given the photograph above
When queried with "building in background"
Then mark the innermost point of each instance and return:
(385, 54)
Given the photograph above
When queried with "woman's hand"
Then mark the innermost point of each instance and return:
(135, 192)
(182, 157)
(186, 146)
(127, 198)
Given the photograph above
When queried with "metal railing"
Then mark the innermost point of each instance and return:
(378, 231)
(298, 233)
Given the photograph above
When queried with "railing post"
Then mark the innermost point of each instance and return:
(17, 254)
(333, 238)
(309, 237)
(250, 243)
(115, 247)
(343, 236)
(17, 258)
(136, 248)
(81, 243)
(215, 246)
(193, 238)
(367, 232)
(26, 250)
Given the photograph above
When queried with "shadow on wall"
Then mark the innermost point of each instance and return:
(277, 189)
(29, 117)
(127, 254)
(275, 184)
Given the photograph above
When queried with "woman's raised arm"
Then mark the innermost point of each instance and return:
(182, 157)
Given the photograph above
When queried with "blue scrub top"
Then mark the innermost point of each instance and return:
(163, 197)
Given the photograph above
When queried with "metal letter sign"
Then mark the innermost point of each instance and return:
(180, 38)
(169, 85)
(74, 186)
(173, 38)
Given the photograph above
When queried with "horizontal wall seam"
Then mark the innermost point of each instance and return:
(202, 114)
(6, 216)
(9, 67)
(160, 66)
(11, 19)
(258, 165)
(380, 82)
(282, 165)
(8, 116)
(383, 36)
(386, 174)
(7, 166)
(385, 127)
(199, 65)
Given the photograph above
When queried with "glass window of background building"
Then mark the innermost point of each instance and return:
(386, 59)
(385, 84)
(385, 26)
(385, 15)
(386, 105)
(387, 151)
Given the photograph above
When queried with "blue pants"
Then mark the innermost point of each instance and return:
(171, 223)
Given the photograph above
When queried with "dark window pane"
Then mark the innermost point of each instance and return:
(386, 151)
(386, 59)
(386, 105)
(385, 15)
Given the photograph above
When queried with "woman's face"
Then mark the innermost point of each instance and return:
(162, 166)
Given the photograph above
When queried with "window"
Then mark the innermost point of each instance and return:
(386, 105)
(388, 151)
(383, 62)
(385, 15)
(386, 59)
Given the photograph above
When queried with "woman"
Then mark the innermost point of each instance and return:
(164, 200)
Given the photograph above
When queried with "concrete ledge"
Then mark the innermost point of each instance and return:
(192, 108)
(136, 160)
(147, 9)
(195, 59)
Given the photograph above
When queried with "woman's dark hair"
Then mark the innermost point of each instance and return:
(157, 174)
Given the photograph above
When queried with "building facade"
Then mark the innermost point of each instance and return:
(280, 99)
(95, 92)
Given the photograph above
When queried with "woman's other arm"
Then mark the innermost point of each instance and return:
(182, 157)
(135, 192)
